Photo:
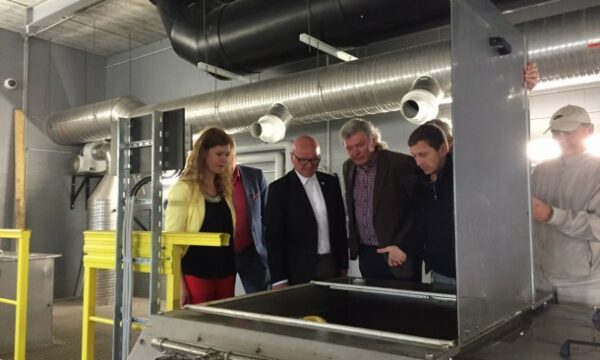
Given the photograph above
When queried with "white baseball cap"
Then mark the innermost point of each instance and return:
(568, 118)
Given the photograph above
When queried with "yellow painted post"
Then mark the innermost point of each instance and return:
(88, 328)
(22, 287)
(98, 253)
(173, 277)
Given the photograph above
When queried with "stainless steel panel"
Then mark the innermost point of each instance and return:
(362, 323)
(390, 313)
(39, 312)
(541, 335)
(489, 110)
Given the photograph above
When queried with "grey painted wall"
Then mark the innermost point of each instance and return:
(59, 78)
(11, 65)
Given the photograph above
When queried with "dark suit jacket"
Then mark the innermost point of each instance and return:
(393, 210)
(253, 267)
(292, 228)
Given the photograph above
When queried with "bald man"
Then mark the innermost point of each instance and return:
(305, 221)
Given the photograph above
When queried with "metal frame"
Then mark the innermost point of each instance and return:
(49, 13)
(492, 221)
(326, 48)
(395, 292)
(156, 211)
(350, 330)
(122, 317)
(98, 250)
(211, 69)
(123, 137)
(20, 302)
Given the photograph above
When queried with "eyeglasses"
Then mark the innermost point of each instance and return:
(303, 162)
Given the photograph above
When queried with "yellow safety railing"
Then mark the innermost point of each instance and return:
(20, 302)
(99, 253)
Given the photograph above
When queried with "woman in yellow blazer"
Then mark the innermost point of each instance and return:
(200, 201)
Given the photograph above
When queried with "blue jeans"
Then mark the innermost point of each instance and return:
(438, 278)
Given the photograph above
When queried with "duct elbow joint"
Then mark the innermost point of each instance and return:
(421, 103)
(271, 127)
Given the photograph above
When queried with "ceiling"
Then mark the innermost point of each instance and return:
(105, 28)
(109, 27)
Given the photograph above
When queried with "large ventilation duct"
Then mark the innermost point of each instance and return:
(564, 47)
(89, 122)
(248, 36)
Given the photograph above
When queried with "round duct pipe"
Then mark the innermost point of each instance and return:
(421, 103)
(89, 122)
(366, 86)
(271, 127)
(102, 215)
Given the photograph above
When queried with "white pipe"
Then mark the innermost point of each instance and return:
(419, 106)
(271, 127)
(422, 102)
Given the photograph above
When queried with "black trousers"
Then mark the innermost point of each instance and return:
(252, 270)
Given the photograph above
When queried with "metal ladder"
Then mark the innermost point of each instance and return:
(122, 314)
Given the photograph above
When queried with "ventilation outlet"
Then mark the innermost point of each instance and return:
(271, 127)
(421, 103)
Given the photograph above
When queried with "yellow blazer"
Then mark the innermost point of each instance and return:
(185, 208)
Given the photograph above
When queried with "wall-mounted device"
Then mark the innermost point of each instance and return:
(10, 84)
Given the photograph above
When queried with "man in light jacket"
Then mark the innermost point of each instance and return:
(566, 207)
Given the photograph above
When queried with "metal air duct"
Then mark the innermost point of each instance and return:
(248, 36)
(564, 46)
(102, 215)
(89, 122)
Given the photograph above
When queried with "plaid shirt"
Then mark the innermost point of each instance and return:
(364, 183)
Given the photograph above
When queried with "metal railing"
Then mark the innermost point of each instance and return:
(99, 253)
(22, 237)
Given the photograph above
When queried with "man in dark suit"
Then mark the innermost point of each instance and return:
(305, 221)
(380, 186)
(249, 200)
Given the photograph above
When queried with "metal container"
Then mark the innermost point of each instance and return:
(362, 319)
(39, 304)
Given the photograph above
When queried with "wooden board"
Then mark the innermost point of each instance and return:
(19, 169)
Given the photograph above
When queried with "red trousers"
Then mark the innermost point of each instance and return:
(203, 290)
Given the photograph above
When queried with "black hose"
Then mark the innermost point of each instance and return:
(139, 185)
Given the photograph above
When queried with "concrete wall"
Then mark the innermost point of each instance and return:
(11, 65)
(59, 78)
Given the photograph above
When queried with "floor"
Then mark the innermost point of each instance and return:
(66, 342)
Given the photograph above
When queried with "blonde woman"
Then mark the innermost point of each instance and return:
(201, 202)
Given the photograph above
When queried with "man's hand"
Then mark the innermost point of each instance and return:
(396, 257)
(531, 73)
(541, 211)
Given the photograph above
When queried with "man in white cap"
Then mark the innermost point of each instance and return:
(566, 207)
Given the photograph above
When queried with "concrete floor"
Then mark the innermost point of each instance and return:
(66, 340)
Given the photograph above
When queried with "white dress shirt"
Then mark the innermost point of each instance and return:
(317, 202)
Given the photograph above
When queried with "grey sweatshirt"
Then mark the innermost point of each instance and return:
(567, 247)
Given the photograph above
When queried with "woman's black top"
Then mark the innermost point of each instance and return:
(212, 262)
